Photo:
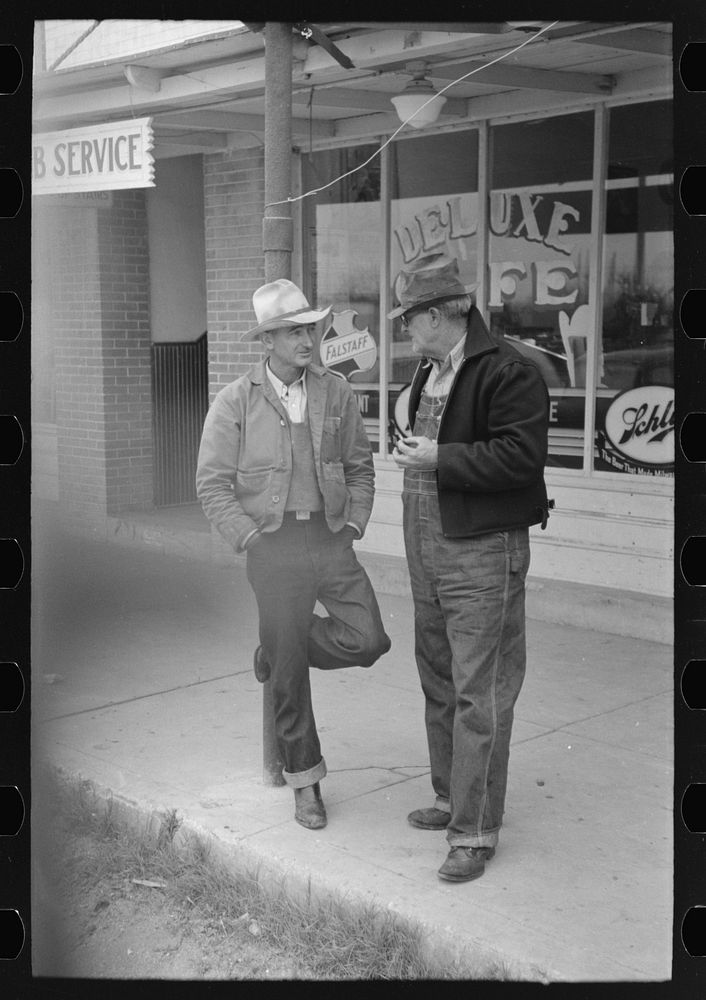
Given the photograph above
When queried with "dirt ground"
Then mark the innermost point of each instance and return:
(113, 927)
(113, 899)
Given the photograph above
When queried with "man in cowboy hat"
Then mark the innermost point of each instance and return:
(473, 483)
(285, 472)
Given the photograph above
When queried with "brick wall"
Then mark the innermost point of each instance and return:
(97, 286)
(233, 206)
(126, 350)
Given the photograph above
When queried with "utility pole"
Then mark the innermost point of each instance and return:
(277, 246)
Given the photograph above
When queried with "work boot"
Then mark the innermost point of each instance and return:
(260, 665)
(309, 808)
(465, 863)
(429, 819)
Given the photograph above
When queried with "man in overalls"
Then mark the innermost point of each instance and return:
(285, 472)
(473, 483)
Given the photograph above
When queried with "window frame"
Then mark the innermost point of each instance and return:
(586, 475)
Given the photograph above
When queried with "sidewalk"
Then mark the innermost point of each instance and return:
(142, 683)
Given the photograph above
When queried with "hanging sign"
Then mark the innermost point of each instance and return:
(345, 349)
(104, 157)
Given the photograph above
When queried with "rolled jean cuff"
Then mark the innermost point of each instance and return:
(463, 840)
(301, 779)
(442, 804)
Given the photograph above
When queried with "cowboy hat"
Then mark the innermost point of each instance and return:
(281, 303)
(435, 276)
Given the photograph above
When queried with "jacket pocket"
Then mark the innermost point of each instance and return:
(248, 484)
(331, 440)
(335, 490)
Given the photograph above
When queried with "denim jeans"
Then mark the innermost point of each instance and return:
(290, 570)
(469, 616)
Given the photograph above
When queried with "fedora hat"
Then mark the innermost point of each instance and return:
(281, 303)
(435, 276)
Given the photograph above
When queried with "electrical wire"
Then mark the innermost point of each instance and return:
(504, 55)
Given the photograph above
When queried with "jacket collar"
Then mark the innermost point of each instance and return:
(479, 339)
(317, 388)
(258, 374)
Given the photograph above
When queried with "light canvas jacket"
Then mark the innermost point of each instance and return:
(244, 465)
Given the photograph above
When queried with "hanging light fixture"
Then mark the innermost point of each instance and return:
(412, 102)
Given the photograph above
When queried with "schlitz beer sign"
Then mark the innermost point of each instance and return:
(103, 157)
(345, 349)
(639, 431)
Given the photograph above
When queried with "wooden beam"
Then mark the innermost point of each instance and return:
(349, 98)
(206, 140)
(208, 121)
(382, 124)
(654, 43)
(237, 78)
(505, 74)
(386, 48)
(468, 28)
(357, 99)
(245, 76)
(170, 150)
(228, 121)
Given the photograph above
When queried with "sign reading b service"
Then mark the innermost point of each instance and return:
(104, 157)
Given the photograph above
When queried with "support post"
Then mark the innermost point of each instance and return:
(277, 246)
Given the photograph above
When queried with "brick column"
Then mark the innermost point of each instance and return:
(234, 201)
(126, 345)
(99, 287)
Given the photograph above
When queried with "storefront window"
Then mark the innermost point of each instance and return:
(635, 363)
(539, 252)
(343, 241)
(540, 249)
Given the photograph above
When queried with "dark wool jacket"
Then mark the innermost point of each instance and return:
(492, 438)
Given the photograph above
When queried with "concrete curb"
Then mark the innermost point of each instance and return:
(440, 946)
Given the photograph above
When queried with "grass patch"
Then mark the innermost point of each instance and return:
(327, 937)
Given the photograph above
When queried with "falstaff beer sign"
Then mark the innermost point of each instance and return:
(94, 158)
(639, 431)
(345, 349)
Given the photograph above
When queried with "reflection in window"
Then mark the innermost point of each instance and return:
(434, 207)
(343, 260)
(540, 248)
(539, 252)
(637, 345)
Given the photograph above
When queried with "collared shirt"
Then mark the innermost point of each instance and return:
(443, 372)
(293, 396)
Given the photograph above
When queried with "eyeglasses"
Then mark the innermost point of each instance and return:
(407, 317)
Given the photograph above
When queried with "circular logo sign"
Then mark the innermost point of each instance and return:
(346, 350)
(639, 424)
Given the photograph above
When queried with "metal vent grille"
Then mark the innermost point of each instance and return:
(180, 398)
